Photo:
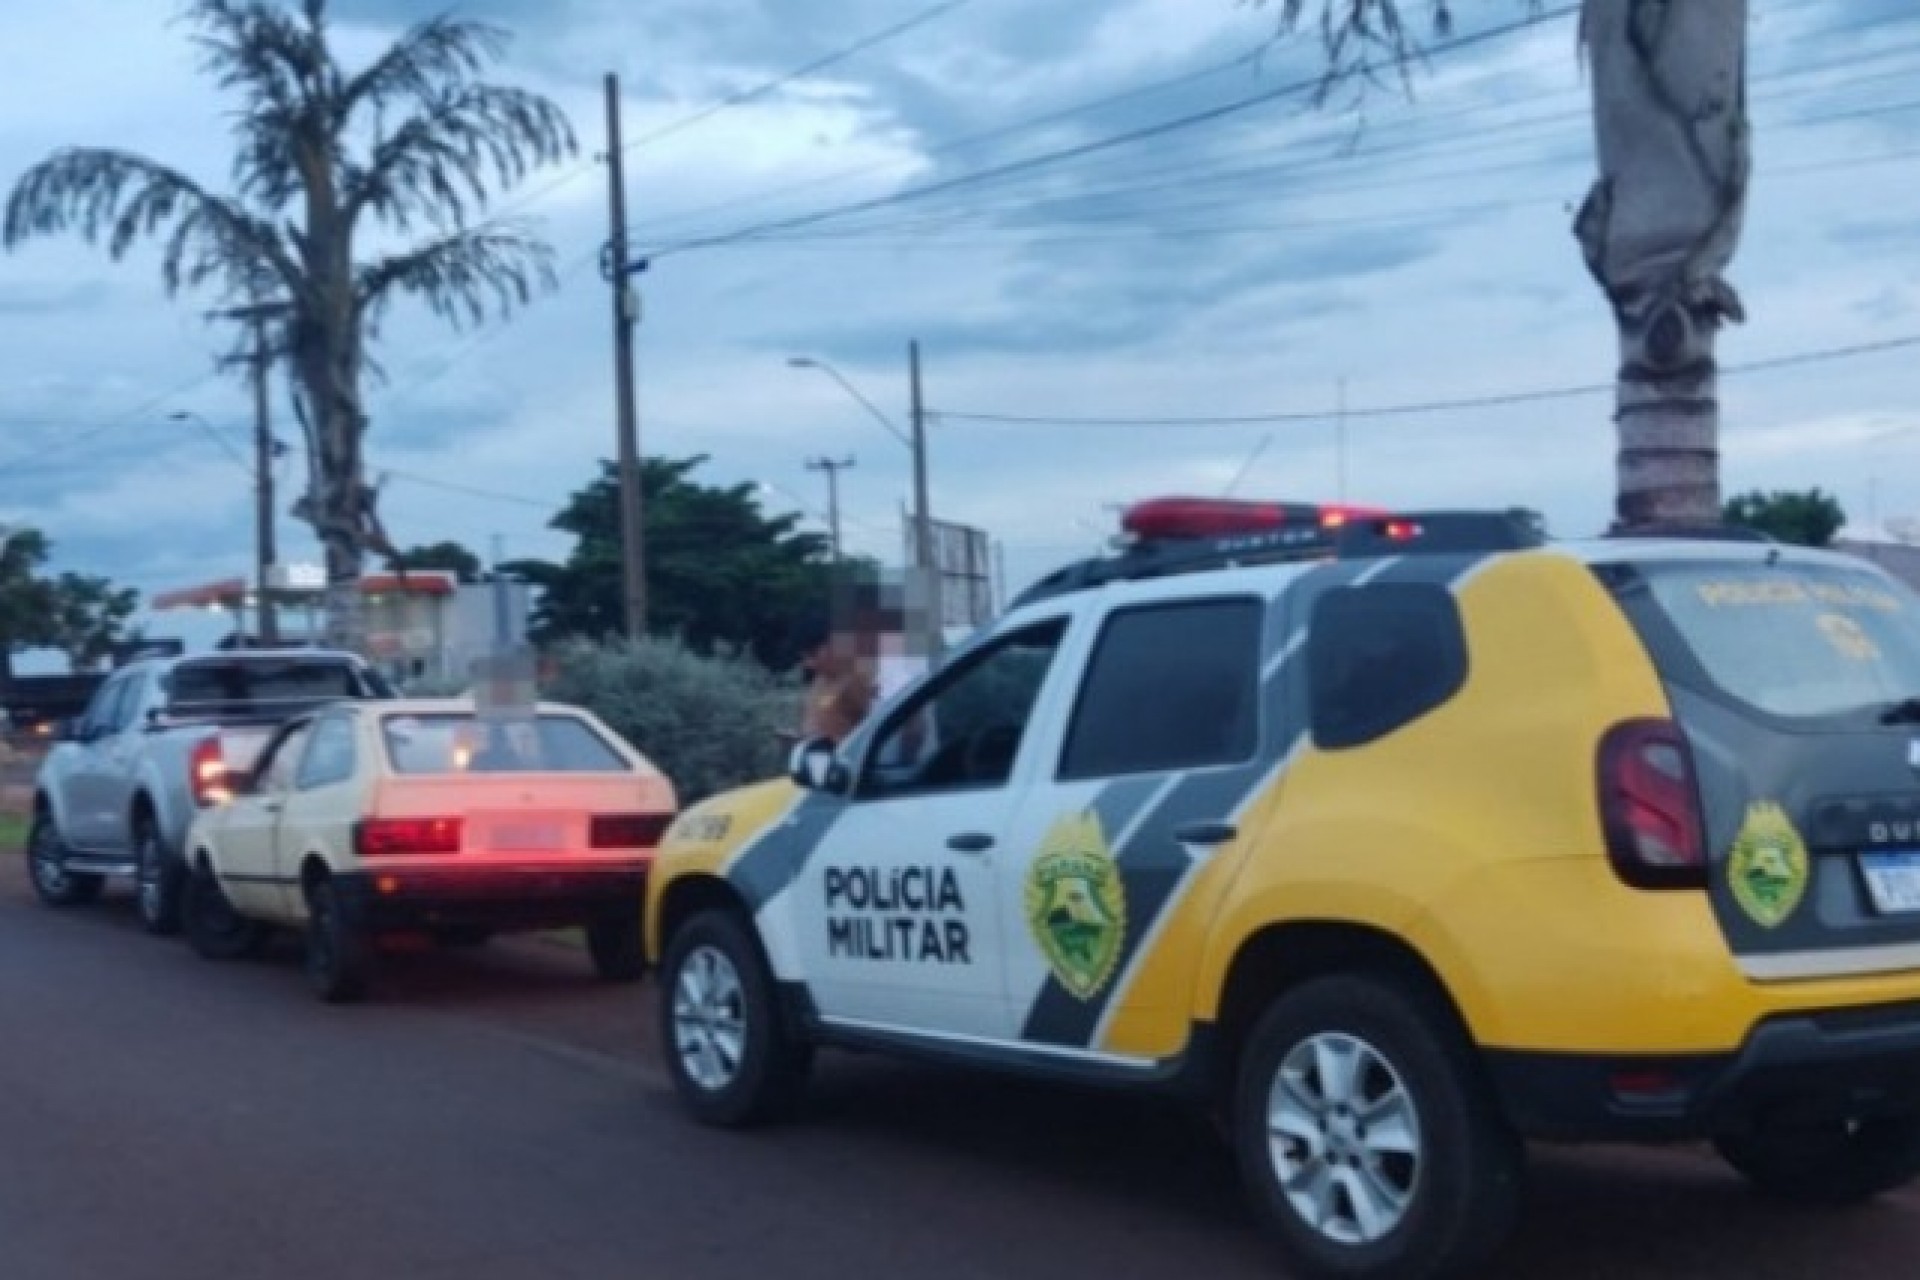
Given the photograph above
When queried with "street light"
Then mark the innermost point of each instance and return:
(925, 559)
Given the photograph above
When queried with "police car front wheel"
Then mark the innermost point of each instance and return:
(733, 1059)
(1367, 1139)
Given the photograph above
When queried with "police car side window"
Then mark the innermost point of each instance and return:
(1169, 687)
(1379, 658)
(963, 731)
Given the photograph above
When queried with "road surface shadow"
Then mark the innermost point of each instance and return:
(1612, 1213)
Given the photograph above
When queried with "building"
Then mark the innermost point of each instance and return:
(423, 625)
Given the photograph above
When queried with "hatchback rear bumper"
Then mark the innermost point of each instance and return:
(494, 898)
(1855, 1062)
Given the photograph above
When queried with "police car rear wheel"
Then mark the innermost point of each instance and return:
(1827, 1166)
(1369, 1142)
(732, 1058)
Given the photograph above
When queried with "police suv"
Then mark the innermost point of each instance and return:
(1394, 840)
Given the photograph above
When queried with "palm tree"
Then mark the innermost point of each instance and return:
(1660, 226)
(413, 144)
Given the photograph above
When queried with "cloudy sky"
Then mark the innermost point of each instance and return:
(1243, 265)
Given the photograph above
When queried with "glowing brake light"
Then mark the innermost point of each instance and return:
(1178, 519)
(388, 837)
(207, 774)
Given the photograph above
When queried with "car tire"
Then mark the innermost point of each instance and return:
(1368, 1139)
(1827, 1166)
(339, 956)
(214, 929)
(733, 1058)
(617, 945)
(159, 880)
(47, 859)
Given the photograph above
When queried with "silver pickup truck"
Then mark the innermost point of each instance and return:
(117, 793)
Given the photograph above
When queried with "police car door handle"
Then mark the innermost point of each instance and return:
(1208, 833)
(970, 842)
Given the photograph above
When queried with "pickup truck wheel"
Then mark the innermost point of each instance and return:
(214, 929)
(339, 956)
(1368, 1141)
(160, 880)
(733, 1059)
(1832, 1166)
(57, 886)
(617, 945)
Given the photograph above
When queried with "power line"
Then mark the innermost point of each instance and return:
(745, 96)
(1094, 147)
(1418, 408)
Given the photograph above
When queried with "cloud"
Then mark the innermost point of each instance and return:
(1242, 266)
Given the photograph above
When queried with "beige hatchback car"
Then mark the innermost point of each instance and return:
(366, 820)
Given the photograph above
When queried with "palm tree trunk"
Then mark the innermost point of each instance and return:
(336, 504)
(1660, 229)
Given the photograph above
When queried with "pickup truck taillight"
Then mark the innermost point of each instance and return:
(1650, 807)
(388, 837)
(627, 830)
(207, 774)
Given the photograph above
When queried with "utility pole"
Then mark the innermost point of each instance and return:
(626, 307)
(926, 558)
(833, 468)
(265, 450)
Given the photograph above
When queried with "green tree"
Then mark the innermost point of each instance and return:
(721, 572)
(1659, 228)
(90, 616)
(327, 160)
(449, 557)
(1810, 519)
(26, 600)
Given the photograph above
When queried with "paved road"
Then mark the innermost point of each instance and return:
(497, 1114)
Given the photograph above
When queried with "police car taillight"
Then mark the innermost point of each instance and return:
(1650, 807)
(1180, 519)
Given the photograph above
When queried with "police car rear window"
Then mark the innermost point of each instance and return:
(1796, 641)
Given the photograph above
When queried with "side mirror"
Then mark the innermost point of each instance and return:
(815, 766)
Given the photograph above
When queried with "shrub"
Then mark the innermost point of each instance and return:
(709, 723)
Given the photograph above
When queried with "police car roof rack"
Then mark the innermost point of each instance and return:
(1175, 536)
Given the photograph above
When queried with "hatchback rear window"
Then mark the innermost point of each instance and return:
(1797, 641)
(452, 744)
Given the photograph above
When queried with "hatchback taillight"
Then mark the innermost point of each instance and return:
(627, 830)
(1650, 807)
(207, 774)
(388, 837)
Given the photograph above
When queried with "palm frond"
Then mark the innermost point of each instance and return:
(289, 80)
(122, 198)
(440, 161)
(463, 276)
(439, 54)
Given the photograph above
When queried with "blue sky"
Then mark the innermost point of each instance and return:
(1420, 252)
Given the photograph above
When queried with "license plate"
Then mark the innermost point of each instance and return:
(526, 836)
(1893, 881)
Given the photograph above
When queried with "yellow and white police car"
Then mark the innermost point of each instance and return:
(1396, 841)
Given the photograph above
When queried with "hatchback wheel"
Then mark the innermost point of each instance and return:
(47, 854)
(617, 946)
(339, 956)
(732, 1057)
(1368, 1142)
(214, 929)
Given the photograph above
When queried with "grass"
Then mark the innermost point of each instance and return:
(13, 832)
